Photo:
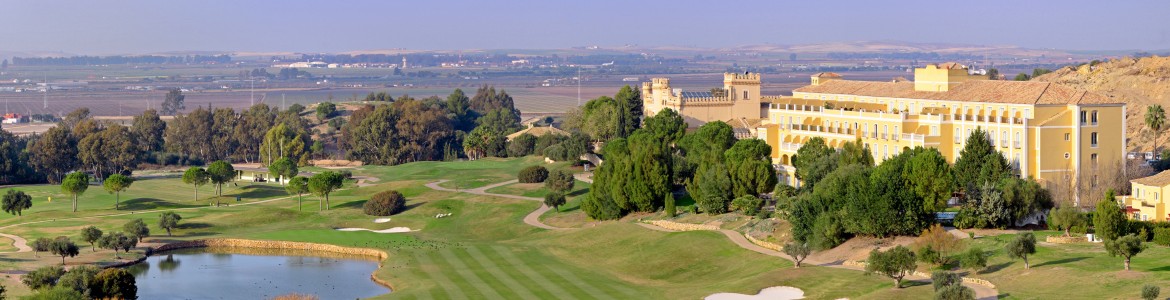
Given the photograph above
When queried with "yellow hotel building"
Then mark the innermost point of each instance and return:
(1045, 130)
(1148, 199)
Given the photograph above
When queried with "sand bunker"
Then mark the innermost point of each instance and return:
(381, 220)
(391, 230)
(772, 293)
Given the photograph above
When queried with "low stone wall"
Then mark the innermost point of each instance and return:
(971, 280)
(259, 244)
(1066, 239)
(768, 245)
(676, 226)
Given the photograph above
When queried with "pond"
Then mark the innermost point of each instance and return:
(246, 273)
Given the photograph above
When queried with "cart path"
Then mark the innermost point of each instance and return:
(532, 218)
(20, 243)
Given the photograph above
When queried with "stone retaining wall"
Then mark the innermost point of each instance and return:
(768, 245)
(971, 280)
(676, 226)
(1066, 239)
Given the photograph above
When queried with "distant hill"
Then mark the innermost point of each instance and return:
(1137, 82)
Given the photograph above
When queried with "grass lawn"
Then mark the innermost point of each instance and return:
(537, 190)
(1083, 270)
(485, 251)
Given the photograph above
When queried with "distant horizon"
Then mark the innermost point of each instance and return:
(306, 26)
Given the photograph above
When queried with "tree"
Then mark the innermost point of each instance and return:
(16, 202)
(385, 203)
(629, 102)
(1155, 120)
(324, 183)
(1022, 77)
(57, 293)
(220, 172)
(749, 167)
(63, 247)
(747, 204)
(115, 184)
(168, 221)
(1039, 71)
(298, 185)
(75, 184)
(1020, 247)
(148, 130)
(1126, 246)
(283, 168)
(560, 181)
(798, 251)
(459, 107)
(522, 145)
(938, 239)
(43, 277)
(532, 174)
(1109, 221)
(1150, 292)
(978, 154)
(115, 241)
(54, 153)
(930, 177)
(114, 283)
(91, 235)
(77, 278)
(195, 176)
(554, 200)
(669, 206)
(129, 242)
(173, 103)
(666, 125)
(1065, 218)
(993, 74)
(940, 279)
(895, 263)
(325, 110)
(973, 259)
(282, 142)
(137, 229)
(40, 245)
(813, 161)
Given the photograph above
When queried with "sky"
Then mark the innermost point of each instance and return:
(151, 26)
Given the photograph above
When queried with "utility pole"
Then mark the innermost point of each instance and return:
(46, 92)
(578, 85)
(252, 94)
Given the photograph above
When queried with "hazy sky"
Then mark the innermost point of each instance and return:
(141, 26)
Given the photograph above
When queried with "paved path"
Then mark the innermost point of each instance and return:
(981, 291)
(532, 218)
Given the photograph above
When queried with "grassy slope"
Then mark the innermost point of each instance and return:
(483, 250)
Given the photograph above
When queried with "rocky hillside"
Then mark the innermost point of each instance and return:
(1137, 82)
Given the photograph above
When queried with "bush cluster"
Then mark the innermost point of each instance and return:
(385, 203)
(533, 174)
(1162, 236)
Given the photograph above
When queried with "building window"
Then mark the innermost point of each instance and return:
(1093, 139)
(1017, 140)
(745, 97)
(1094, 118)
(1093, 159)
(1067, 136)
(1003, 138)
(1066, 156)
(958, 136)
(1084, 117)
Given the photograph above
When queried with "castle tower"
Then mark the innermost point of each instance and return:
(404, 62)
(744, 86)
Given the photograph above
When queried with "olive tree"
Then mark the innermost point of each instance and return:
(137, 228)
(1127, 247)
(63, 247)
(169, 220)
(895, 263)
(16, 202)
(91, 235)
(798, 251)
(1020, 247)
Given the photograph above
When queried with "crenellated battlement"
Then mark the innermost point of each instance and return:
(744, 78)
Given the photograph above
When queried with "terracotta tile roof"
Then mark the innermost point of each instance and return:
(827, 75)
(951, 65)
(988, 91)
(1160, 179)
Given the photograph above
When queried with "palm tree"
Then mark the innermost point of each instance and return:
(1155, 119)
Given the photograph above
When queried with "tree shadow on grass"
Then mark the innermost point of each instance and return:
(995, 268)
(569, 209)
(360, 203)
(194, 225)
(578, 192)
(260, 191)
(153, 203)
(1060, 261)
(914, 283)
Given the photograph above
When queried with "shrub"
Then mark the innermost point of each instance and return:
(533, 174)
(827, 232)
(384, 204)
(973, 259)
(929, 255)
(955, 292)
(57, 293)
(43, 277)
(113, 283)
(326, 110)
(1150, 292)
(1162, 236)
(748, 204)
(941, 279)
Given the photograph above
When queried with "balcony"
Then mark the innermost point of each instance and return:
(1017, 144)
(914, 137)
(1003, 143)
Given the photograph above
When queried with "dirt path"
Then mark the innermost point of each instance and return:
(20, 243)
(532, 218)
(981, 291)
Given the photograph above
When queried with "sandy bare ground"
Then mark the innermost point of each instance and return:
(772, 293)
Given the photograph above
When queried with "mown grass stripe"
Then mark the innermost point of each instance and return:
(491, 267)
(577, 282)
(461, 268)
(421, 292)
(428, 266)
(532, 275)
(481, 272)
